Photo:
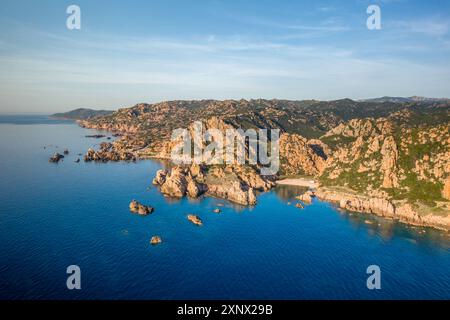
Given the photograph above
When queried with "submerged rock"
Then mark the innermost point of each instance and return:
(139, 208)
(195, 219)
(66, 151)
(299, 205)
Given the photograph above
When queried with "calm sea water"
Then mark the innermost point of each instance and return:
(56, 215)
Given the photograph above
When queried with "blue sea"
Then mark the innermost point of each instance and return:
(56, 215)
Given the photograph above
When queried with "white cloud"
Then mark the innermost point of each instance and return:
(434, 27)
(326, 8)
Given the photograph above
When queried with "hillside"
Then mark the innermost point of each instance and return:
(81, 114)
(390, 159)
(309, 118)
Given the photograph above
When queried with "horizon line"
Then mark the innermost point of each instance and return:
(220, 100)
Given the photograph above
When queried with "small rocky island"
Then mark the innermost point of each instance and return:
(56, 157)
(195, 219)
(155, 240)
(139, 208)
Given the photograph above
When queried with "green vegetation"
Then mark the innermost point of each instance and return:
(336, 141)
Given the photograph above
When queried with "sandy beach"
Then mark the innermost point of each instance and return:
(301, 182)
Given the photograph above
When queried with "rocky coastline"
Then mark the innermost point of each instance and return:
(109, 152)
(395, 165)
(401, 211)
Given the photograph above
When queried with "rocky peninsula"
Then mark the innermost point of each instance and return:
(235, 183)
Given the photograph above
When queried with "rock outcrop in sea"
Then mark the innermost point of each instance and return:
(109, 152)
(237, 184)
(56, 157)
(155, 240)
(139, 208)
(195, 219)
(306, 197)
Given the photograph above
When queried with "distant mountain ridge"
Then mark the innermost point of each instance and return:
(405, 99)
(81, 114)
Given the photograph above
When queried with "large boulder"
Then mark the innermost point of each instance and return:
(175, 184)
(160, 177)
(236, 192)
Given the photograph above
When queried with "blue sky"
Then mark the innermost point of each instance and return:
(147, 51)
